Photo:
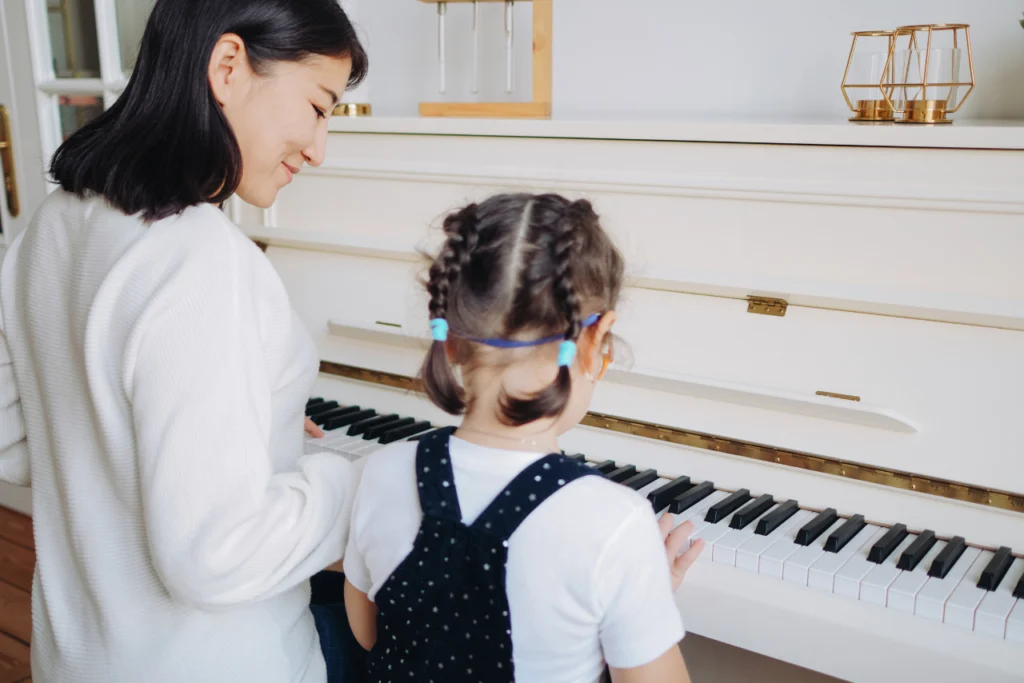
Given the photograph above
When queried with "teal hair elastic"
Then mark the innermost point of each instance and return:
(439, 329)
(566, 353)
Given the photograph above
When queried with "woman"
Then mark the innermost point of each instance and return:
(161, 375)
(161, 372)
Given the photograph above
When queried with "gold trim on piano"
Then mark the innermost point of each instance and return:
(805, 461)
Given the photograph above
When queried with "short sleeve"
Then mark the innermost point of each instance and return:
(639, 617)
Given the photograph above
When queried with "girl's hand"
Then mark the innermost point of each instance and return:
(312, 429)
(674, 539)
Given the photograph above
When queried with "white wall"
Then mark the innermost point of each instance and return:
(688, 58)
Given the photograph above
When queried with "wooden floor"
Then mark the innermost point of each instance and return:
(17, 559)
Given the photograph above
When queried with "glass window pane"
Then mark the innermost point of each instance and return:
(76, 52)
(76, 111)
(131, 23)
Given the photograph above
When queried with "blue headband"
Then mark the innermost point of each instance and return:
(518, 344)
(566, 350)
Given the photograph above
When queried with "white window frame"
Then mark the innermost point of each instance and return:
(49, 88)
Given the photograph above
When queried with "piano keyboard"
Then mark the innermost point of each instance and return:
(943, 580)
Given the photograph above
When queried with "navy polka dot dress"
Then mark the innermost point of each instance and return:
(443, 615)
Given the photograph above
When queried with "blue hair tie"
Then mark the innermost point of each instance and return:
(439, 329)
(566, 353)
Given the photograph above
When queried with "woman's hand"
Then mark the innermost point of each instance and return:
(312, 429)
(674, 539)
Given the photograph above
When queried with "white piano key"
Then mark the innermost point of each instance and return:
(712, 533)
(903, 591)
(773, 560)
(797, 565)
(874, 588)
(846, 581)
(966, 597)
(931, 600)
(697, 510)
(748, 556)
(696, 514)
(990, 617)
(725, 548)
(821, 574)
(1015, 623)
(653, 486)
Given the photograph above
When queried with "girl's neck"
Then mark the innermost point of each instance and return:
(487, 431)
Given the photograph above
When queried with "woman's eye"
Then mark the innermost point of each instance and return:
(320, 113)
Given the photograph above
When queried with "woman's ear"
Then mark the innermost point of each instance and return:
(229, 73)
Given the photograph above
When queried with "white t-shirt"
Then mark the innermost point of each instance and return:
(587, 579)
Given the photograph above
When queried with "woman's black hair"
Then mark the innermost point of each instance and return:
(516, 266)
(165, 144)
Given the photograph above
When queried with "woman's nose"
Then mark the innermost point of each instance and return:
(315, 153)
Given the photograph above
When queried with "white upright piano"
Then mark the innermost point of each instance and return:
(827, 334)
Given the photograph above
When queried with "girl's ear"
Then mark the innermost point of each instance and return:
(592, 341)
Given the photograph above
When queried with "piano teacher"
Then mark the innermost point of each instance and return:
(153, 376)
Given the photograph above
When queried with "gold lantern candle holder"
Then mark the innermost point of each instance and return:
(865, 77)
(921, 81)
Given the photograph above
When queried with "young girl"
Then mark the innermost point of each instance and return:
(481, 553)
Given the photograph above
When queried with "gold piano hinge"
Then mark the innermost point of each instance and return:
(845, 397)
(804, 461)
(766, 306)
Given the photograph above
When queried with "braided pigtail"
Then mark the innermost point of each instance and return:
(552, 401)
(438, 378)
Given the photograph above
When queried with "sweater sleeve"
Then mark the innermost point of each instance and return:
(223, 527)
(14, 463)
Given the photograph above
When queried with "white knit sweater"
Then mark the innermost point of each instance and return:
(160, 376)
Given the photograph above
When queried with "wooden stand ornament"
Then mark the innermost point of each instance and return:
(540, 107)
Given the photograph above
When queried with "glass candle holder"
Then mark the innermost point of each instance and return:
(923, 76)
(865, 73)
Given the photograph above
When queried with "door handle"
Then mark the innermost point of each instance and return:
(7, 162)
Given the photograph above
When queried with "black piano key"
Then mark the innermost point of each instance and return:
(996, 569)
(844, 534)
(887, 544)
(640, 479)
(358, 428)
(776, 517)
(324, 418)
(578, 457)
(400, 433)
(321, 407)
(1018, 592)
(913, 555)
(727, 506)
(621, 474)
(661, 498)
(351, 418)
(751, 511)
(694, 495)
(314, 401)
(378, 431)
(947, 557)
(606, 466)
(817, 526)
